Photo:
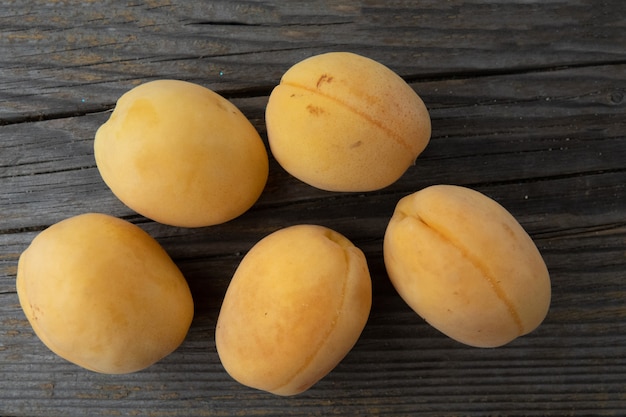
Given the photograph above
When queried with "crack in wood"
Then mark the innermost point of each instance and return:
(41, 117)
(547, 178)
(491, 72)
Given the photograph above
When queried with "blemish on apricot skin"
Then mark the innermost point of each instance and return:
(493, 282)
(324, 78)
(392, 134)
(315, 110)
(356, 144)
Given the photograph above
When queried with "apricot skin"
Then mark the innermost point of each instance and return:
(101, 293)
(296, 305)
(343, 122)
(464, 264)
(182, 155)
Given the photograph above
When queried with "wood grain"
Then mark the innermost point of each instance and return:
(528, 106)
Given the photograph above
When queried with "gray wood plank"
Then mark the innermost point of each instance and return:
(527, 102)
(56, 60)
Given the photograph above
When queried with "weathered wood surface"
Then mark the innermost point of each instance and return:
(528, 106)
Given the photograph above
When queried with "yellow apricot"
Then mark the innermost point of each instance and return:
(296, 305)
(465, 265)
(101, 293)
(180, 154)
(343, 122)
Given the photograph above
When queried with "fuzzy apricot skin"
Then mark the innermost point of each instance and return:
(101, 293)
(465, 265)
(295, 307)
(180, 154)
(343, 122)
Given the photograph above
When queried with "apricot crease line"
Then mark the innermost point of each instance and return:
(492, 281)
(395, 136)
(329, 331)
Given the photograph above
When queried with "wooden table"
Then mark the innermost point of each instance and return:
(528, 106)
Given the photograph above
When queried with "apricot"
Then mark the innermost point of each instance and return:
(181, 154)
(343, 122)
(101, 293)
(295, 307)
(465, 265)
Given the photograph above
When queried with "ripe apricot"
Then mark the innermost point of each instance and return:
(343, 122)
(180, 154)
(465, 265)
(101, 293)
(296, 305)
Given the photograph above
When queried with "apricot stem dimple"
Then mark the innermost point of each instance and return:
(392, 134)
(478, 264)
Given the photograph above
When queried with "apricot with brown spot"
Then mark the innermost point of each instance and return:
(329, 102)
